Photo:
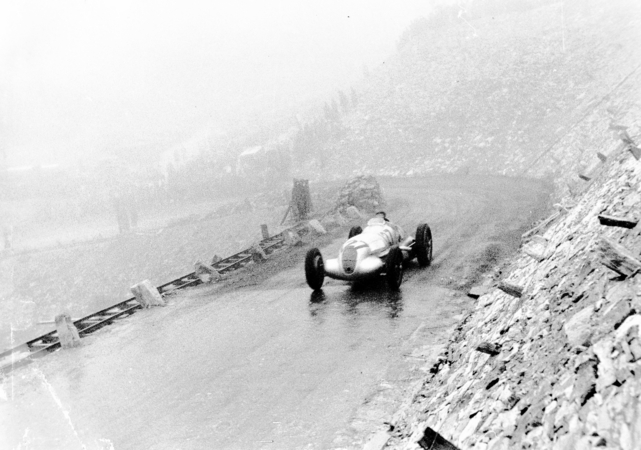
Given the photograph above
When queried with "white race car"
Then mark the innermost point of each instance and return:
(380, 249)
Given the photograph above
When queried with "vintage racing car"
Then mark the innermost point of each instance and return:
(380, 249)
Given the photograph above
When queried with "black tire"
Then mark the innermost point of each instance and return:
(394, 268)
(314, 269)
(423, 245)
(354, 231)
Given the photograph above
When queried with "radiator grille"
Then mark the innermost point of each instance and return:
(349, 259)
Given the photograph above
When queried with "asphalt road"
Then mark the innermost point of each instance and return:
(268, 365)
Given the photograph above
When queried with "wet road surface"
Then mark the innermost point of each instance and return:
(271, 365)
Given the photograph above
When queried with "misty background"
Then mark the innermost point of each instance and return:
(81, 80)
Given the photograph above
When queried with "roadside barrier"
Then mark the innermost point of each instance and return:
(47, 343)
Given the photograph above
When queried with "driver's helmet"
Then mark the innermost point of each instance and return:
(382, 215)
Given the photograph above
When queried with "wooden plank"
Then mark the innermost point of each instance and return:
(584, 177)
(618, 258)
(613, 221)
(264, 231)
(542, 225)
(511, 289)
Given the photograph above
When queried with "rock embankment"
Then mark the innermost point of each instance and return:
(565, 372)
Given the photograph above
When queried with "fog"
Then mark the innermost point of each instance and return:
(81, 79)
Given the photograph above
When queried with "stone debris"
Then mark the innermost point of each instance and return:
(353, 213)
(616, 257)
(568, 374)
(362, 192)
(538, 248)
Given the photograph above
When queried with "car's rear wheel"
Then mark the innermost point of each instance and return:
(423, 245)
(314, 269)
(354, 231)
(394, 268)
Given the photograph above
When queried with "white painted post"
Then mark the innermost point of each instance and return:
(316, 226)
(147, 294)
(67, 331)
(207, 271)
(292, 238)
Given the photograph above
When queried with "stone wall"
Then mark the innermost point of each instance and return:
(568, 371)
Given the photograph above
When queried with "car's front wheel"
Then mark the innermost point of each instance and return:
(423, 245)
(394, 268)
(314, 269)
(354, 231)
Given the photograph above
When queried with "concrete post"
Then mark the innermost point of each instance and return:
(316, 227)
(258, 254)
(67, 331)
(147, 295)
(206, 270)
(291, 238)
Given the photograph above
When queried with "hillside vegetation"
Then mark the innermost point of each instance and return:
(486, 90)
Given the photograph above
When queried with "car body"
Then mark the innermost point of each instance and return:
(381, 248)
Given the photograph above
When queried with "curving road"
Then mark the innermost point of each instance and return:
(268, 365)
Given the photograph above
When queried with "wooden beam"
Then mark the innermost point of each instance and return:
(264, 231)
(618, 258)
(431, 440)
(584, 177)
(613, 221)
(542, 225)
(601, 156)
(511, 289)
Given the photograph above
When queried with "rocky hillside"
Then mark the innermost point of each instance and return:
(490, 93)
(552, 360)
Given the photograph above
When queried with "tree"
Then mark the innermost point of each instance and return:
(354, 98)
(342, 98)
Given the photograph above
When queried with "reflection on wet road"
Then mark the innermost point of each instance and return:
(358, 301)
